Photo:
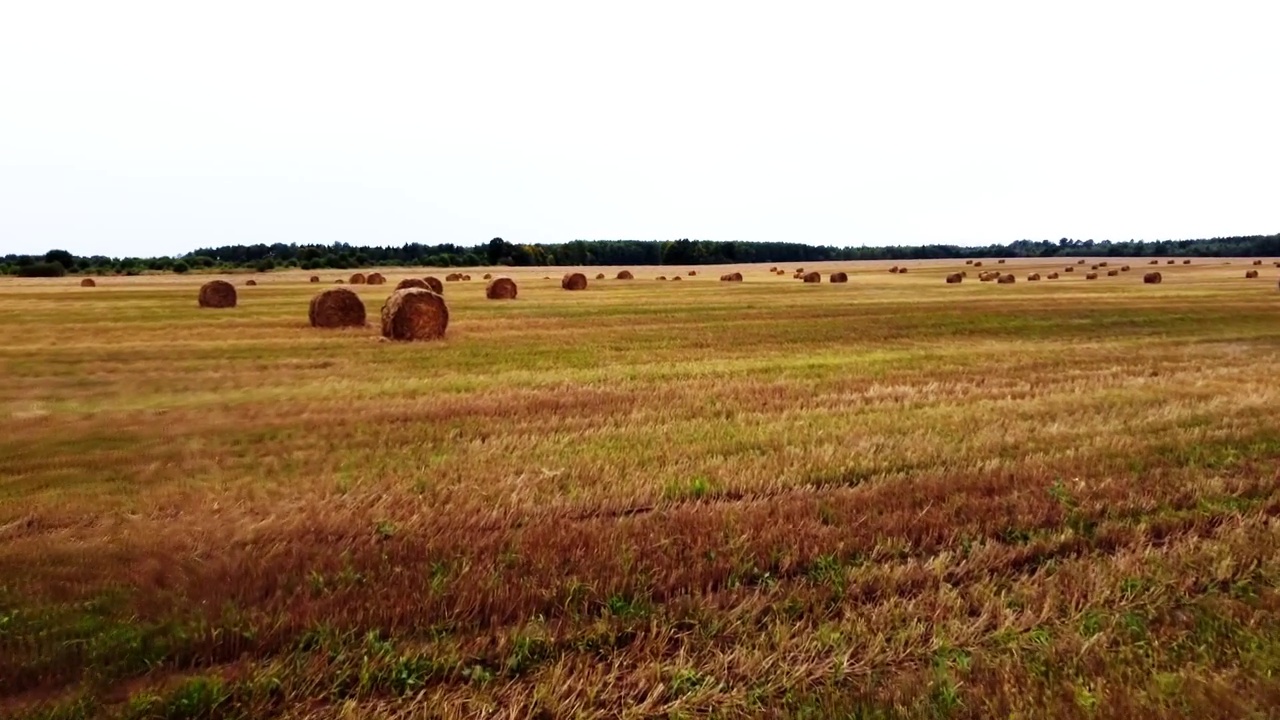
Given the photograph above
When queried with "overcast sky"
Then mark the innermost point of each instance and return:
(131, 128)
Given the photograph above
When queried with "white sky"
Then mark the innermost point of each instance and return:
(131, 128)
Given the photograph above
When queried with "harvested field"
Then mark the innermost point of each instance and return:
(914, 500)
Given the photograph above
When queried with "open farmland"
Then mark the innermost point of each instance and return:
(893, 497)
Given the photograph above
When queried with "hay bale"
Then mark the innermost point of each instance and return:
(1068, 269)
(1152, 278)
(954, 278)
(466, 278)
(625, 275)
(1154, 262)
(1033, 277)
(977, 263)
(501, 288)
(88, 282)
(1170, 262)
(1094, 266)
(813, 277)
(356, 279)
(217, 294)
(574, 281)
(839, 277)
(799, 271)
(784, 272)
(968, 262)
(434, 284)
(339, 281)
(453, 277)
(675, 278)
(894, 269)
(414, 314)
(1052, 276)
(1124, 268)
(773, 269)
(488, 276)
(1277, 263)
(1257, 262)
(335, 308)
(1091, 276)
(1006, 279)
(1186, 262)
(251, 282)
(988, 276)
(902, 270)
(412, 282)
(1000, 261)
(1102, 264)
(692, 273)
(1112, 273)
(1250, 274)
(1080, 262)
(315, 278)
(661, 277)
(731, 277)
(599, 276)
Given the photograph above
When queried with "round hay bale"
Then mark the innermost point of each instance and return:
(1277, 263)
(1080, 262)
(251, 282)
(501, 288)
(968, 262)
(1124, 268)
(773, 269)
(412, 282)
(339, 281)
(335, 308)
(1006, 280)
(813, 277)
(1152, 278)
(466, 278)
(1052, 276)
(662, 277)
(1093, 267)
(977, 263)
(955, 278)
(599, 276)
(488, 276)
(784, 272)
(675, 278)
(453, 277)
(356, 279)
(1033, 277)
(625, 275)
(987, 276)
(1091, 276)
(1102, 264)
(894, 269)
(1170, 262)
(1250, 274)
(692, 273)
(732, 277)
(414, 314)
(375, 279)
(799, 271)
(902, 270)
(1112, 273)
(88, 282)
(1154, 262)
(217, 294)
(574, 281)
(1068, 269)
(839, 277)
(434, 284)
(315, 278)
(1186, 262)
(1257, 262)
(1000, 261)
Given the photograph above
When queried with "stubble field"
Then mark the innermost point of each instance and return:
(889, 498)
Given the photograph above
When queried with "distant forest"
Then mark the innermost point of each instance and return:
(264, 258)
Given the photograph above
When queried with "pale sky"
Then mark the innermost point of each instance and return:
(153, 128)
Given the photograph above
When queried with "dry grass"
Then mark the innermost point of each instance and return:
(757, 499)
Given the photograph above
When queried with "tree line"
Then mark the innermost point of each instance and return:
(264, 258)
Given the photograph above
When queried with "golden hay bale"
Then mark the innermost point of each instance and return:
(1068, 269)
(466, 278)
(1080, 262)
(968, 262)
(1033, 277)
(1091, 276)
(839, 277)
(414, 314)
(574, 281)
(412, 282)
(599, 276)
(339, 281)
(1000, 261)
(954, 278)
(1102, 264)
(813, 277)
(784, 272)
(988, 276)
(1006, 279)
(488, 276)
(773, 269)
(434, 284)
(1186, 262)
(336, 307)
(662, 277)
(964, 273)
(217, 294)
(1052, 276)
(625, 275)
(692, 273)
(731, 277)
(902, 270)
(88, 282)
(251, 282)
(315, 278)
(676, 277)
(977, 263)
(453, 277)
(799, 271)
(894, 269)
(1250, 274)
(501, 288)
(1152, 278)
(1124, 268)
(1257, 262)
(1094, 266)
(1112, 273)
(356, 279)
(1154, 262)
(1170, 262)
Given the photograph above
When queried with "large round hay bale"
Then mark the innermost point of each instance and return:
(217, 294)
(466, 278)
(1068, 269)
(414, 314)
(412, 282)
(1112, 273)
(894, 269)
(574, 281)
(799, 271)
(1052, 276)
(434, 283)
(1033, 277)
(251, 282)
(773, 269)
(335, 308)
(813, 277)
(339, 281)
(501, 288)
(731, 277)
(1186, 262)
(954, 278)
(839, 277)
(1000, 261)
(692, 273)
(1250, 274)
(1091, 276)
(1154, 262)
(1094, 266)
(315, 278)
(599, 276)
(977, 263)
(453, 277)
(968, 262)
(1152, 278)
(1006, 279)
(88, 282)
(676, 277)
(902, 270)
(488, 276)
(1080, 261)
(1257, 262)
(1124, 268)
(356, 279)
(1102, 264)
(661, 277)
(375, 279)
(1170, 262)
(625, 275)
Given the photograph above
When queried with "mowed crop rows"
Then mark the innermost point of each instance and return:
(891, 497)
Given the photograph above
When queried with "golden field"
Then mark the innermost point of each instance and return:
(888, 498)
